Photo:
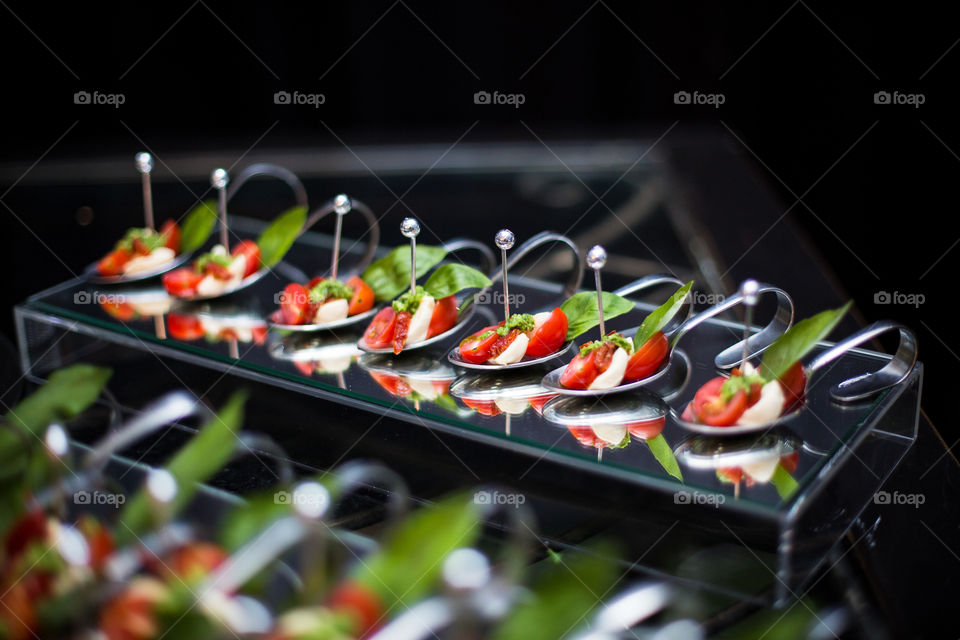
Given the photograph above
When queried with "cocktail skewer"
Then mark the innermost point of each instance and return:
(341, 206)
(145, 165)
(596, 259)
(219, 180)
(750, 290)
(410, 228)
(504, 240)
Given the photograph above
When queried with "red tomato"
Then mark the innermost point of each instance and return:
(259, 335)
(794, 383)
(140, 247)
(400, 330)
(379, 333)
(710, 409)
(122, 311)
(732, 475)
(646, 429)
(306, 368)
(31, 527)
(171, 235)
(789, 462)
(502, 342)
(251, 250)
(314, 282)
(18, 615)
(295, 305)
(216, 270)
(483, 407)
(361, 603)
(112, 263)
(362, 299)
(99, 539)
(549, 336)
(184, 327)
(477, 351)
(580, 372)
(195, 560)
(130, 614)
(647, 358)
(537, 402)
(444, 316)
(182, 282)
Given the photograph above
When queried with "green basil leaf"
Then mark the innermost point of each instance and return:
(784, 482)
(582, 314)
(194, 463)
(664, 455)
(451, 278)
(798, 341)
(417, 548)
(278, 237)
(197, 226)
(661, 316)
(390, 275)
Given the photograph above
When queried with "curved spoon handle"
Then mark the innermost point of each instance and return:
(868, 384)
(274, 171)
(655, 280)
(576, 273)
(373, 227)
(758, 342)
(465, 244)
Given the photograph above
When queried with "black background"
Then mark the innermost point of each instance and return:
(798, 78)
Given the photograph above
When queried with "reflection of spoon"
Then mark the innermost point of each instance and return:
(852, 389)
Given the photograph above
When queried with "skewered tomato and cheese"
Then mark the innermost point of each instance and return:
(215, 272)
(142, 250)
(413, 317)
(522, 335)
(324, 300)
(746, 398)
(606, 363)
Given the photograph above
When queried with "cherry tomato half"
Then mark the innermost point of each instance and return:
(709, 408)
(251, 250)
(362, 299)
(112, 263)
(171, 235)
(361, 603)
(647, 358)
(477, 351)
(444, 316)
(295, 305)
(182, 282)
(580, 373)
(549, 336)
(379, 333)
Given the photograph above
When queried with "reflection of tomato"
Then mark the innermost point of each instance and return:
(483, 407)
(444, 316)
(171, 235)
(392, 384)
(259, 335)
(380, 332)
(789, 462)
(647, 358)
(122, 311)
(184, 327)
(709, 408)
(537, 402)
(477, 351)
(112, 263)
(646, 429)
(361, 603)
(732, 475)
(251, 250)
(362, 299)
(586, 437)
(306, 368)
(549, 336)
(295, 305)
(182, 282)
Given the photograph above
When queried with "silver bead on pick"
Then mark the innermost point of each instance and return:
(505, 240)
(410, 228)
(596, 259)
(750, 291)
(144, 163)
(219, 180)
(341, 206)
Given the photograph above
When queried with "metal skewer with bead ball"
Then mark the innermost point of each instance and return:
(341, 206)
(219, 180)
(145, 165)
(504, 241)
(410, 228)
(596, 259)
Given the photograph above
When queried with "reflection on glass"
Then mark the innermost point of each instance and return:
(319, 353)
(507, 392)
(215, 323)
(613, 422)
(412, 377)
(130, 305)
(770, 458)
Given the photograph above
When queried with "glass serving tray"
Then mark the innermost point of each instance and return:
(843, 453)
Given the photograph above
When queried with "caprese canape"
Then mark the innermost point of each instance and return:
(142, 250)
(615, 359)
(423, 312)
(522, 335)
(322, 301)
(758, 396)
(215, 272)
